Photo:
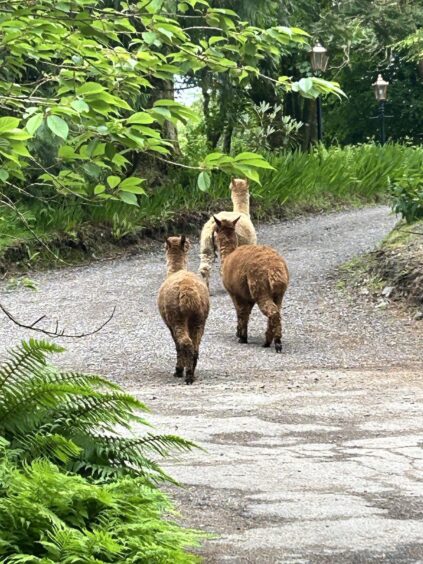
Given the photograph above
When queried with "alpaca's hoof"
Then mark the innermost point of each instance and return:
(278, 347)
(243, 340)
(266, 345)
(179, 372)
(189, 380)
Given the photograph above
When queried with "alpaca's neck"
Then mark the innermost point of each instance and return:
(174, 264)
(227, 247)
(241, 202)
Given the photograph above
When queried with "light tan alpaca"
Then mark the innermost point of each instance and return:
(245, 231)
(252, 274)
(183, 302)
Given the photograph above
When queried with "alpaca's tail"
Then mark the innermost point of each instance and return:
(193, 303)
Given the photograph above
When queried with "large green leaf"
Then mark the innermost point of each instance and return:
(8, 123)
(204, 181)
(34, 123)
(58, 126)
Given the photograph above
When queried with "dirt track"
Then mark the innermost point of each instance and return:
(314, 455)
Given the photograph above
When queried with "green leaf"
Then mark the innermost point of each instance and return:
(140, 117)
(204, 181)
(4, 175)
(133, 189)
(113, 181)
(149, 37)
(130, 182)
(305, 84)
(90, 88)
(128, 198)
(99, 189)
(58, 126)
(8, 123)
(80, 106)
(34, 123)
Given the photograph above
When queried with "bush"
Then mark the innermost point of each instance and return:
(99, 501)
(70, 418)
(48, 516)
(407, 194)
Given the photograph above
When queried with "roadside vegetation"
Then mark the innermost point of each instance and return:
(319, 180)
(73, 488)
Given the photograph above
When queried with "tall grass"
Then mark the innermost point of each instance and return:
(345, 175)
(321, 179)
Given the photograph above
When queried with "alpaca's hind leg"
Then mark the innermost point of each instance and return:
(179, 368)
(207, 258)
(274, 327)
(243, 311)
(185, 353)
(277, 330)
(196, 334)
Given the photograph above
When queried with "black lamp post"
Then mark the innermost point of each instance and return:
(381, 93)
(319, 63)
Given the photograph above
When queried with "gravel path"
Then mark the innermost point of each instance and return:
(313, 454)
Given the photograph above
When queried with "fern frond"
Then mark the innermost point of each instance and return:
(80, 420)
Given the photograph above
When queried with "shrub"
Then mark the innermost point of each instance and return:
(407, 194)
(71, 418)
(49, 516)
(73, 488)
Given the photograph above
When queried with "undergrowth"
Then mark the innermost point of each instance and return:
(323, 179)
(79, 476)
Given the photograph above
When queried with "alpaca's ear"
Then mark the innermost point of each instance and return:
(183, 238)
(167, 243)
(218, 222)
(236, 221)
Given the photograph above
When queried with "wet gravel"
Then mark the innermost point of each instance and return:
(323, 327)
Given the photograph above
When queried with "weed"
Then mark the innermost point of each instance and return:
(25, 282)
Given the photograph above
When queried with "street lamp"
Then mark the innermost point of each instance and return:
(319, 63)
(381, 93)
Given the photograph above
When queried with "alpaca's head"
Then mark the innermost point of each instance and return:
(240, 195)
(225, 234)
(177, 253)
(239, 186)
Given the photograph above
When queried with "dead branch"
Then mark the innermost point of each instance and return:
(57, 332)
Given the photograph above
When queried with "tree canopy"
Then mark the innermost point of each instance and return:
(86, 85)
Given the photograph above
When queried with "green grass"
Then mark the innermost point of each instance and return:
(320, 180)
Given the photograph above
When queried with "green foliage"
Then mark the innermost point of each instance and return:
(71, 419)
(362, 172)
(317, 180)
(49, 516)
(82, 85)
(99, 501)
(407, 194)
(263, 127)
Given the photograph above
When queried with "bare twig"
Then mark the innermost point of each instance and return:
(57, 332)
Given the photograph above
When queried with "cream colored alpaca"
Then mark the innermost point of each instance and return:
(245, 231)
(183, 302)
(252, 274)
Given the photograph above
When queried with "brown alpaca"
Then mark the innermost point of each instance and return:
(183, 302)
(252, 274)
